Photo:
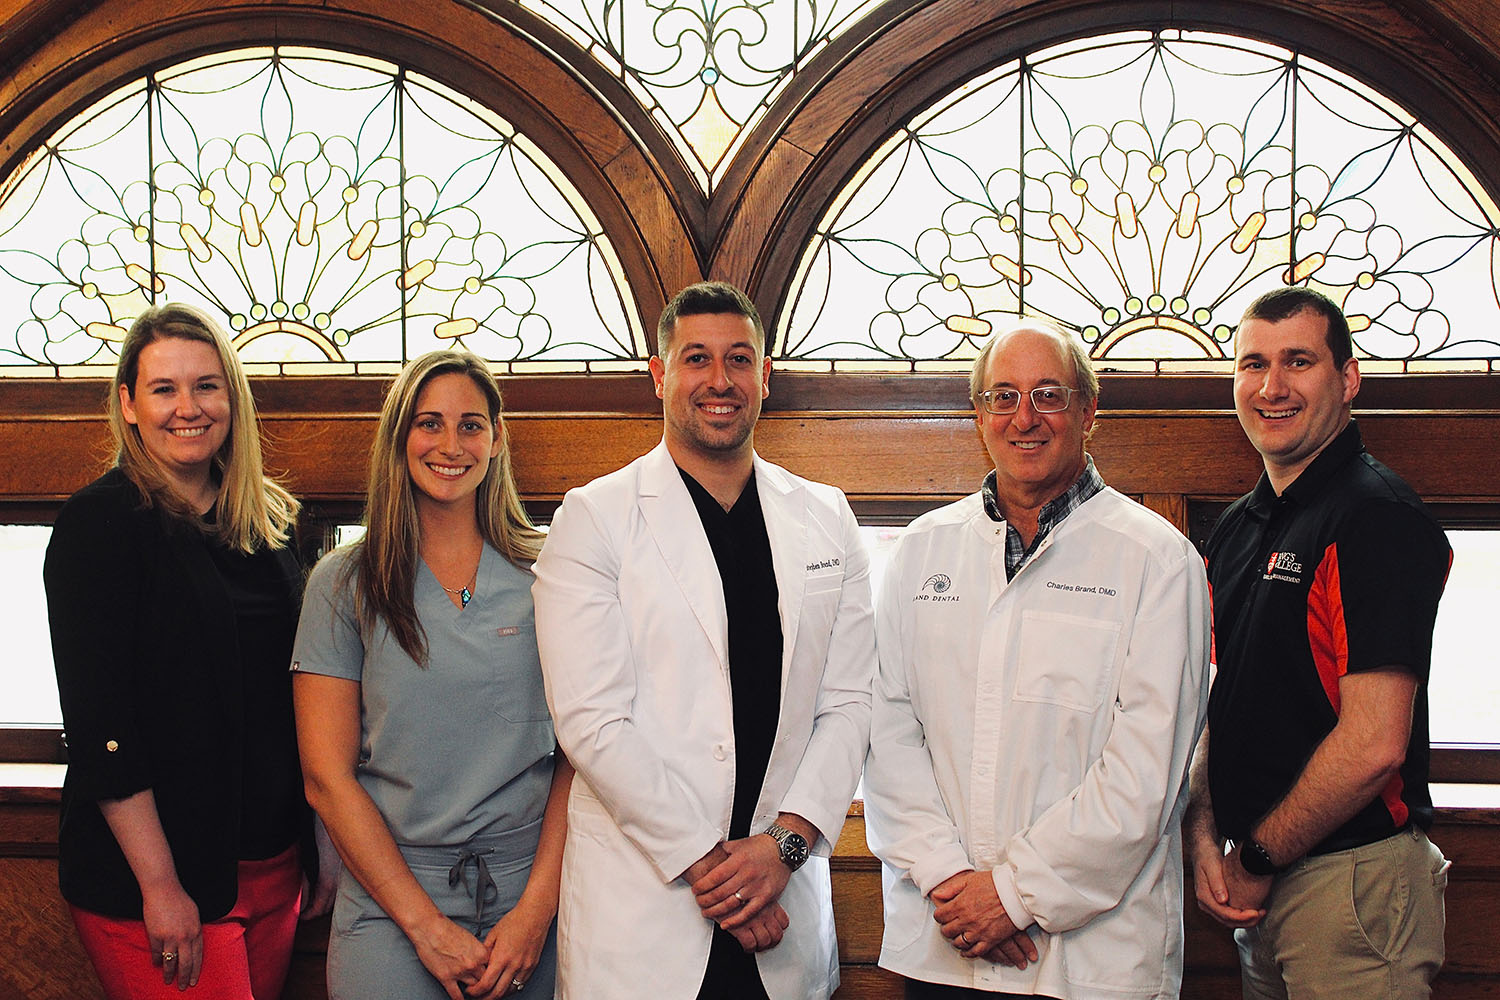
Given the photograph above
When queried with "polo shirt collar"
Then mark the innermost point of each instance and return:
(1345, 445)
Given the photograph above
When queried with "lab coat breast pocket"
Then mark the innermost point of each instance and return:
(1066, 660)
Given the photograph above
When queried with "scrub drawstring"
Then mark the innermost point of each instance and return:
(484, 890)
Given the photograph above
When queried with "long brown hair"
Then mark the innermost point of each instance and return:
(383, 565)
(253, 509)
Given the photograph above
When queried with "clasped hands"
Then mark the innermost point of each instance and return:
(1225, 891)
(738, 884)
(970, 915)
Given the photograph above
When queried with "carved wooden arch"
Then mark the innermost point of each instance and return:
(821, 136)
(466, 49)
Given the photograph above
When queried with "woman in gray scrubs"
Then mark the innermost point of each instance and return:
(426, 744)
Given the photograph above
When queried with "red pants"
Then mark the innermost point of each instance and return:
(246, 952)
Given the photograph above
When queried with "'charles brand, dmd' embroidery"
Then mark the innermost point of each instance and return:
(1079, 588)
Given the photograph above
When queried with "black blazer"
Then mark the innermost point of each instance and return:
(140, 624)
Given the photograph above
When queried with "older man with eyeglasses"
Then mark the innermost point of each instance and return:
(1043, 649)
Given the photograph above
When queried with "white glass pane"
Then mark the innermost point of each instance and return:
(28, 687)
(1464, 691)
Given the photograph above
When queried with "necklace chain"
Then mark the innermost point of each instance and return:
(465, 594)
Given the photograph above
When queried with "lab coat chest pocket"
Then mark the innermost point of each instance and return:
(820, 599)
(1065, 660)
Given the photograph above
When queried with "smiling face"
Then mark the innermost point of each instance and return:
(1290, 395)
(711, 383)
(1037, 456)
(180, 405)
(451, 440)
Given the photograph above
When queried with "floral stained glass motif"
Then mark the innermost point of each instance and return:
(341, 214)
(705, 70)
(1141, 189)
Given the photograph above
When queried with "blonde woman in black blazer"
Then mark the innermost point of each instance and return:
(172, 593)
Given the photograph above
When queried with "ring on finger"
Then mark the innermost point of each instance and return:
(517, 984)
(169, 956)
(963, 939)
(739, 897)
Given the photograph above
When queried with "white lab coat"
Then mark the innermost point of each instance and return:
(1040, 729)
(633, 634)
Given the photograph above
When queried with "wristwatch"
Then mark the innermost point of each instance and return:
(1256, 860)
(793, 846)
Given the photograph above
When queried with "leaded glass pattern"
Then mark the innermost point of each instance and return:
(705, 70)
(1141, 189)
(341, 214)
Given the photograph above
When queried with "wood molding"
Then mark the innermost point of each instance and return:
(929, 456)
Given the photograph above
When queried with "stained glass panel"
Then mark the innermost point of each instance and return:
(706, 70)
(342, 214)
(1141, 189)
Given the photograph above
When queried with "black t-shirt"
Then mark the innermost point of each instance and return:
(742, 550)
(1340, 574)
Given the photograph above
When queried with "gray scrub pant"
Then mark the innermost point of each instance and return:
(369, 956)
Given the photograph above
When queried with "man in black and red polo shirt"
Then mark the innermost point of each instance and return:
(1313, 769)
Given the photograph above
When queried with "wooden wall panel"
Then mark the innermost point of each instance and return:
(40, 958)
(870, 455)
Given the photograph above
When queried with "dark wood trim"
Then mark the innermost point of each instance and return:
(33, 745)
(791, 392)
(1466, 763)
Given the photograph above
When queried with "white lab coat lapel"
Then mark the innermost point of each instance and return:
(673, 520)
(783, 504)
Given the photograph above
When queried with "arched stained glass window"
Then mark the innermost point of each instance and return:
(705, 70)
(1141, 189)
(341, 213)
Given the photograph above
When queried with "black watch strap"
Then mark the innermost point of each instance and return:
(1256, 860)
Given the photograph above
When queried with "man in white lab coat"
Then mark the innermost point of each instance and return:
(1043, 677)
(707, 644)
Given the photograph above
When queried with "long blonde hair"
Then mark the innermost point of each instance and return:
(253, 509)
(383, 566)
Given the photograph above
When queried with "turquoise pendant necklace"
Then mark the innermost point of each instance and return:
(464, 593)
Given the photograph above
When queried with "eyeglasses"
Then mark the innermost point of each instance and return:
(1044, 399)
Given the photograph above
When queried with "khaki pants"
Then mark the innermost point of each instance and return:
(1362, 924)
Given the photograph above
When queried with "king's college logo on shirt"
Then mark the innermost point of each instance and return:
(1283, 566)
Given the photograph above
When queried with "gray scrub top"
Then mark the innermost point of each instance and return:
(464, 746)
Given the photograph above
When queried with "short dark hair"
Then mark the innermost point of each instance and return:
(1284, 303)
(707, 298)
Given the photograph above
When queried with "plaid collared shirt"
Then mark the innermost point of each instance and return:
(1086, 485)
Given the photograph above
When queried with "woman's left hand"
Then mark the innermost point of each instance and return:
(515, 945)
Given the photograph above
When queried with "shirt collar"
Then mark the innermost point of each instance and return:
(1086, 485)
(1310, 482)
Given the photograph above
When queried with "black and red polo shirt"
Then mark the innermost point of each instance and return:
(1341, 573)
